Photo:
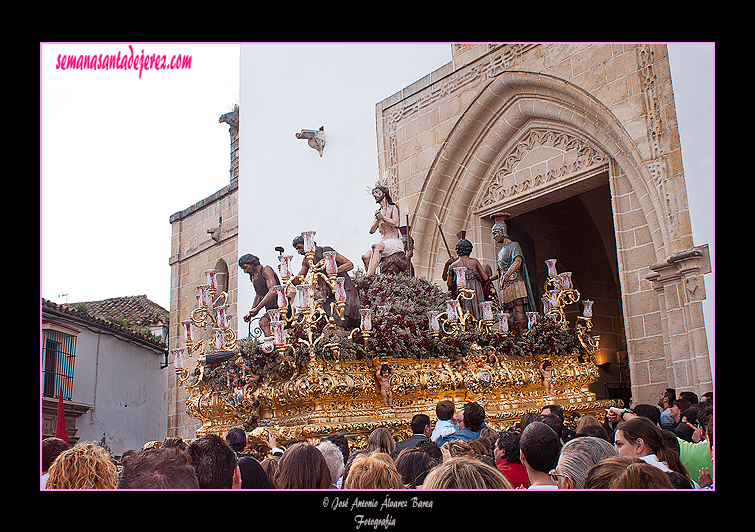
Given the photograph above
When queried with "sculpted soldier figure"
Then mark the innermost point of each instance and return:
(387, 221)
(516, 294)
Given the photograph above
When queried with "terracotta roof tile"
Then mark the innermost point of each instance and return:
(137, 311)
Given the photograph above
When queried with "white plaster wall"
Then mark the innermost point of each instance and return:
(285, 187)
(126, 388)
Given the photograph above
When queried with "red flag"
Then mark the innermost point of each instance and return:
(60, 428)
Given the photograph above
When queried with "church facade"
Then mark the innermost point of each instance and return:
(580, 145)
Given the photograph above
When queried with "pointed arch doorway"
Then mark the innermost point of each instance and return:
(573, 180)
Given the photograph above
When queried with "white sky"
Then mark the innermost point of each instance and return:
(119, 156)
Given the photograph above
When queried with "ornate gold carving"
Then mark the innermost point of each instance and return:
(341, 396)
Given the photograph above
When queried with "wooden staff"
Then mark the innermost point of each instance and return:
(450, 256)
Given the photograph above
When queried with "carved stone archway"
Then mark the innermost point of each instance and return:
(480, 168)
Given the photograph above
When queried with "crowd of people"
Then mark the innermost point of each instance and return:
(637, 448)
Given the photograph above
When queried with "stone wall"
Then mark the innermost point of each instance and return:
(204, 236)
(518, 127)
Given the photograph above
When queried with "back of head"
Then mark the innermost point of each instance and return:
(540, 446)
(214, 462)
(236, 439)
(374, 470)
(431, 448)
(474, 416)
(253, 476)
(597, 431)
(625, 472)
(158, 468)
(465, 473)
(528, 418)
(580, 454)
(649, 411)
(51, 448)
(554, 422)
(555, 409)
(381, 440)
(445, 410)
(342, 443)
(642, 476)
(690, 396)
(458, 448)
(414, 464)
(419, 423)
(86, 465)
(302, 466)
(333, 457)
(508, 442)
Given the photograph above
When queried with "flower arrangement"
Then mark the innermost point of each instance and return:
(400, 330)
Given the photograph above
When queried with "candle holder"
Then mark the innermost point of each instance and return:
(365, 326)
(559, 293)
(210, 312)
(456, 320)
(310, 310)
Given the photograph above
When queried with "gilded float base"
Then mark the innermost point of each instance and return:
(344, 397)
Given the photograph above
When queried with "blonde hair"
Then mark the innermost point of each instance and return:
(465, 473)
(84, 466)
(381, 440)
(587, 419)
(374, 470)
(458, 448)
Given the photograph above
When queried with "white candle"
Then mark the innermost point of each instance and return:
(279, 337)
(188, 330)
(451, 309)
(304, 297)
(222, 320)
(551, 267)
(282, 299)
(531, 319)
(461, 277)
(487, 310)
(212, 279)
(503, 322)
(177, 362)
(285, 261)
(331, 266)
(309, 241)
(366, 324)
(565, 280)
(204, 299)
(218, 336)
(432, 318)
(340, 289)
(587, 308)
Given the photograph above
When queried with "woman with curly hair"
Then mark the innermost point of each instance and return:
(84, 466)
(465, 473)
(374, 470)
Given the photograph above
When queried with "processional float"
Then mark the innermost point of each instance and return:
(313, 378)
